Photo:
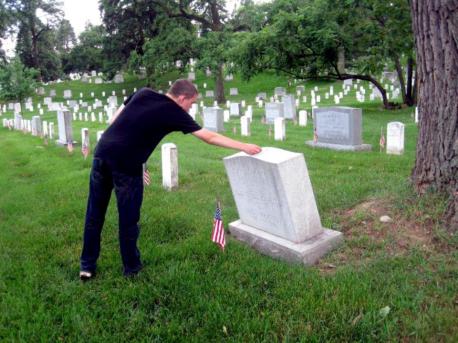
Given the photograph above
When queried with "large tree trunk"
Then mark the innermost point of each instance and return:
(219, 85)
(435, 24)
(410, 97)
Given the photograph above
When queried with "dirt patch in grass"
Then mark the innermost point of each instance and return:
(366, 237)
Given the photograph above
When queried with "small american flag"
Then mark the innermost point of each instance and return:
(382, 140)
(218, 228)
(315, 136)
(146, 177)
(85, 146)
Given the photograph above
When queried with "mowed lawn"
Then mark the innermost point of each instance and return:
(189, 289)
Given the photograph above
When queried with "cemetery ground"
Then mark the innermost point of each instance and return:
(391, 281)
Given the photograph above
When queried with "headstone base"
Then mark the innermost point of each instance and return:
(361, 147)
(60, 143)
(307, 252)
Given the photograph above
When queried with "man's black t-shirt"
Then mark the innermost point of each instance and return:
(146, 118)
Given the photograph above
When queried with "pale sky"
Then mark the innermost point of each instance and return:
(80, 12)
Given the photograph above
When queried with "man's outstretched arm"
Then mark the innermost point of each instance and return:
(214, 138)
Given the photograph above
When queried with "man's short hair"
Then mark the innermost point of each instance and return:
(183, 87)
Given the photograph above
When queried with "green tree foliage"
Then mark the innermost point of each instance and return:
(65, 41)
(129, 24)
(303, 39)
(88, 53)
(36, 42)
(16, 80)
(172, 44)
(209, 16)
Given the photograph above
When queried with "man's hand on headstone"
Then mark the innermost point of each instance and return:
(251, 149)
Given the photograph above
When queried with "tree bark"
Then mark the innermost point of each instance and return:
(219, 85)
(410, 98)
(435, 25)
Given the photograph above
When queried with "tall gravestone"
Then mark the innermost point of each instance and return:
(395, 138)
(64, 124)
(245, 122)
(169, 166)
(67, 94)
(37, 128)
(289, 104)
(235, 109)
(279, 91)
(273, 110)
(17, 121)
(338, 128)
(213, 119)
(276, 205)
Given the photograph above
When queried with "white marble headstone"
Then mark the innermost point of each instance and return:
(276, 206)
(169, 166)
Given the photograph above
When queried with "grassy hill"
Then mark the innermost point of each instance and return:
(386, 282)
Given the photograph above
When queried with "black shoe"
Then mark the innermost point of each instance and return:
(86, 275)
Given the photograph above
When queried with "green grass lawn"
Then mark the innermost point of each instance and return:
(190, 290)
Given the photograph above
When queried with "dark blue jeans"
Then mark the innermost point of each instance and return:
(129, 196)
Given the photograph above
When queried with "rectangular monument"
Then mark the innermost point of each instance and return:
(214, 119)
(276, 205)
(338, 128)
(169, 166)
(235, 109)
(64, 123)
(395, 138)
(274, 110)
(289, 104)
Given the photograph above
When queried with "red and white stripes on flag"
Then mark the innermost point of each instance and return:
(218, 235)
(146, 177)
(85, 145)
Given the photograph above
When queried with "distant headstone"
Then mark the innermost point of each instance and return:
(303, 118)
(191, 76)
(41, 91)
(52, 92)
(338, 128)
(67, 94)
(245, 122)
(213, 119)
(300, 89)
(233, 91)
(235, 109)
(395, 138)
(276, 206)
(279, 91)
(348, 82)
(169, 166)
(113, 101)
(279, 129)
(289, 107)
(273, 110)
(93, 73)
(37, 128)
(209, 94)
(262, 96)
(98, 81)
(17, 121)
(64, 123)
(85, 78)
(118, 78)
